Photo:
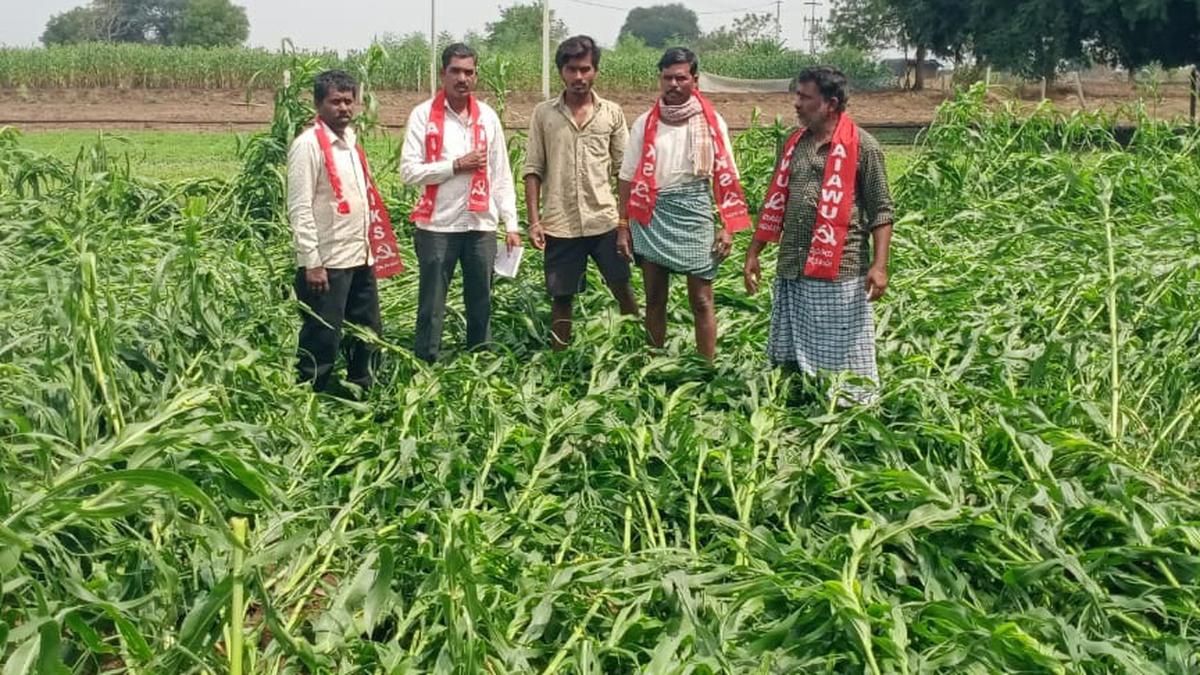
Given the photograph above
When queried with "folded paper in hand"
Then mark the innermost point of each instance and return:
(508, 262)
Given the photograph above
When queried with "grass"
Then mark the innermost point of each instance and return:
(1022, 500)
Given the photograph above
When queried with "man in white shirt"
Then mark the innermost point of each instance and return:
(454, 146)
(327, 209)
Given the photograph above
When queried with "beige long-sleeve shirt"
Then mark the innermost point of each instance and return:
(450, 213)
(575, 164)
(322, 236)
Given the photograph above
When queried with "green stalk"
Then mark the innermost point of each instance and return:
(559, 657)
(694, 500)
(1113, 335)
(237, 608)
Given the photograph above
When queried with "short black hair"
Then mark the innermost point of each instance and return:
(679, 55)
(830, 81)
(577, 47)
(333, 80)
(458, 50)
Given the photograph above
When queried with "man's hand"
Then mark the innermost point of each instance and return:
(471, 162)
(723, 245)
(317, 279)
(625, 243)
(877, 281)
(512, 240)
(537, 236)
(751, 272)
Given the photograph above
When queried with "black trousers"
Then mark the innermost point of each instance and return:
(438, 253)
(353, 296)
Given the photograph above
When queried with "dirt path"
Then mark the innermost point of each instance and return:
(184, 109)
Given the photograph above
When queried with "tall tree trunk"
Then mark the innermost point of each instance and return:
(1049, 71)
(919, 84)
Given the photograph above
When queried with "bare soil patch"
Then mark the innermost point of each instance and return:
(190, 109)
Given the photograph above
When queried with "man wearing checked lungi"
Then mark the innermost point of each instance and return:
(675, 150)
(827, 199)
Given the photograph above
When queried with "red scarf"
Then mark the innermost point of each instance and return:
(380, 235)
(833, 209)
(480, 194)
(731, 201)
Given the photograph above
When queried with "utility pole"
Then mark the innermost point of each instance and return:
(432, 49)
(812, 22)
(778, 25)
(545, 49)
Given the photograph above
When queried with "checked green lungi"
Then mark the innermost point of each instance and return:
(825, 326)
(681, 232)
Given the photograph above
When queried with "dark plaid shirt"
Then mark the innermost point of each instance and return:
(872, 206)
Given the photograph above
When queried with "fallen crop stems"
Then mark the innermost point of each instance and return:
(1023, 499)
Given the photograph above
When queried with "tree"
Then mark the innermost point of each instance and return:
(520, 25)
(660, 24)
(1138, 34)
(865, 25)
(1030, 37)
(751, 32)
(147, 21)
(937, 26)
(211, 23)
(73, 26)
(203, 22)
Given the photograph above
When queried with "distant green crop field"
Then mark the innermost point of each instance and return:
(405, 67)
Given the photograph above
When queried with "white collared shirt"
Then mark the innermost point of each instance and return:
(450, 212)
(322, 236)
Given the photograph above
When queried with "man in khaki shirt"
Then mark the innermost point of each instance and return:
(576, 142)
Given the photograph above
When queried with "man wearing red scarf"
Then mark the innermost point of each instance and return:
(455, 149)
(329, 208)
(677, 167)
(827, 203)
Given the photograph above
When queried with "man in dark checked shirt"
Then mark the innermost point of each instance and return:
(820, 325)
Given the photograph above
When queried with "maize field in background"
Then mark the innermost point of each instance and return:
(405, 66)
(1023, 499)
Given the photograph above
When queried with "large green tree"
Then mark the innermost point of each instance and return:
(200, 22)
(81, 24)
(520, 25)
(1134, 34)
(1030, 37)
(928, 26)
(866, 25)
(211, 23)
(661, 24)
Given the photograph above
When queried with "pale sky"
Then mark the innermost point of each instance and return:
(351, 24)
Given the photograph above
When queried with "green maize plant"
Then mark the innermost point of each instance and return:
(1022, 499)
(629, 66)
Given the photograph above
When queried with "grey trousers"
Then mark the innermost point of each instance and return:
(437, 255)
(353, 296)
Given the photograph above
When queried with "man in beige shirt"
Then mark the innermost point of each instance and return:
(576, 142)
(334, 277)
